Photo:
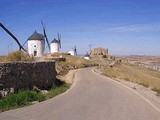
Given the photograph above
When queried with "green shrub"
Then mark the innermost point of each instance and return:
(57, 89)
(19, 99)
(26, 97)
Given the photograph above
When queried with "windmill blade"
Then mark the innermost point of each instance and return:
(59, 39)
(75, 49)
(45, 35)
(24, 42)
(5, 29)
(60, 43)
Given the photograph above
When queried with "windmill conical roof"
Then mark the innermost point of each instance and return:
(36, 36)
(87, 55)
(55, 41)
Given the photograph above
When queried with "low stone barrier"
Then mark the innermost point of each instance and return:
(20, 75)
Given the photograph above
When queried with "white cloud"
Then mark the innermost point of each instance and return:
(137, 28)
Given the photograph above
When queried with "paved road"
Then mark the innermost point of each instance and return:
(94, 97)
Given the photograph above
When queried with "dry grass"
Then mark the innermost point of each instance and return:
(2, 59)
(72, 62)
(17, 56)
(133, 73)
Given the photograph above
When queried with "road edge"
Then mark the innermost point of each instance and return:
(145, 99)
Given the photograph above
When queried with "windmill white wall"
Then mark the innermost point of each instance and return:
(36, 48)
(72, 52)
(87, 57)
(55, 45)
(36, 45)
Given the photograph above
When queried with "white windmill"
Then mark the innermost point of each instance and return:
(73, 51)
(36, 44)
(55, 44)
(87, 56)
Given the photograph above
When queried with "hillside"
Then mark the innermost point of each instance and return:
(134, 73)
(70, 62)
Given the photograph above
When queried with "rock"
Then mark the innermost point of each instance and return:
(3, 93)
(44, 92)
(35, 102)
(35, 88)
(11, 90)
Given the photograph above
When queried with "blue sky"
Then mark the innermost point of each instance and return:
(126, 27)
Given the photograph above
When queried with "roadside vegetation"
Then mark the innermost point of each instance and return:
(16, 56)
(20, 99)
(57, 89)
(134, 73)
(2, 58)
(27, 97)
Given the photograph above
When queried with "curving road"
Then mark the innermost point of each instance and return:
(94, 97)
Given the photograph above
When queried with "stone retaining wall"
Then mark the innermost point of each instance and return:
(20, 75)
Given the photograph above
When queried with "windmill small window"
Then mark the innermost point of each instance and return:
(34, 46)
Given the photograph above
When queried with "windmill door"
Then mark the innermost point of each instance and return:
(35, 53)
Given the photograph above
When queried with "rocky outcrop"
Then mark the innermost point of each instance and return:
(99, 51)
(20, 75)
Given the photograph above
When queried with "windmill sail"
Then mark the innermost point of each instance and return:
(20, 46)
(59, 39)
(44, 32)
(75, 50)
(25, 42)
